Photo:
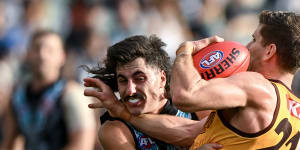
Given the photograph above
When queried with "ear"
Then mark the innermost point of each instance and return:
(270, 52)
(163, 79)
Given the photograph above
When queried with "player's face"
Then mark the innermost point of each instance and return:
(256, 49)
(46, 55)
(141, 87)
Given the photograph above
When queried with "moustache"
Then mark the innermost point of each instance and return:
(134, 96)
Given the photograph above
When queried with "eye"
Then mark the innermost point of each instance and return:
(122, 80)
(140, 78)
(253, 39)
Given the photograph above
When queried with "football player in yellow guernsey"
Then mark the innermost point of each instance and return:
(254, 110)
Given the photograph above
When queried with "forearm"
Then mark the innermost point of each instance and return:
(8, 140)
(84, 139)
(185, 80)
(10, 133)
(170, 129)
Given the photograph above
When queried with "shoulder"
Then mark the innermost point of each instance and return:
(114, 127)
(115, 134)
(76, 111)
(242, 79)
(72, 87)
(258, 90)
(73, 93)
(251, 82)
(248, 76)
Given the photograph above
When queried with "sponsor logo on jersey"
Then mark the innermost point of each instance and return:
(293, 107)
(146, 142)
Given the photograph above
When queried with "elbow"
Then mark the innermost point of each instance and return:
(180, 99)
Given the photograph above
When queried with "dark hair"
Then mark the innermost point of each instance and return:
(126, 51)
(282, 29)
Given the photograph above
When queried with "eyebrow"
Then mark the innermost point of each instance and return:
(134, 74)
(120, 76)
(138, 72)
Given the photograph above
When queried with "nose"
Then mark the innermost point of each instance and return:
(248, 45)
(131, 88)
(42, 54)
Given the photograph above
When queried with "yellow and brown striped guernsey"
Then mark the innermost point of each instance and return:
(282, 134)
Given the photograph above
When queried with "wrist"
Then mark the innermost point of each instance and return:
(125, 115)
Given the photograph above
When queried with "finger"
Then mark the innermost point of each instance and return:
(96, 105)
(89, 83)
(210, 146)
(92, 93)
(198, 45)
(209, 40)
(185, 47)
(216, 145)
(93, 82)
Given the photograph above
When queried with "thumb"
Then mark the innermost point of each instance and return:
(216, 145)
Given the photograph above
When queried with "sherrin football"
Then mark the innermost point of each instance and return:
(222, 59)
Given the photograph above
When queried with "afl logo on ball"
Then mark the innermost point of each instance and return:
(211, 59)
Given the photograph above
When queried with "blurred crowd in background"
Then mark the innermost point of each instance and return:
(88, 27)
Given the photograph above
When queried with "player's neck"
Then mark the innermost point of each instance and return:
(161, 106)
(276, 74)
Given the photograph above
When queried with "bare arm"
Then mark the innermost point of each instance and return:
(192, 93)
(10, 133)
(81, 124)
(81, 139)
(170, 129)
(114, 135)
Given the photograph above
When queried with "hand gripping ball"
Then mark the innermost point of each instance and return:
(222, 59)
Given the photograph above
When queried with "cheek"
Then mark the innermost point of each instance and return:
(121, 89)
(153, 89)
(251, 46)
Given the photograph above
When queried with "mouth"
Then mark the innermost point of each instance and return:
(133, 100)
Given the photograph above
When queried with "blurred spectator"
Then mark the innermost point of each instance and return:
(238, 7)
(78, 26)
(292, 5)
(240, 27)
(296, 84)
(6, 84)
(100, 19)
(166, 21)
(92, 53)
(49, 111)
(16, 37)
(129, 20)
